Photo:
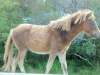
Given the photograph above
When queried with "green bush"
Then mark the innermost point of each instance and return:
(10, 17)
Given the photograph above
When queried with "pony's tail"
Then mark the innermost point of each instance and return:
(8, 55)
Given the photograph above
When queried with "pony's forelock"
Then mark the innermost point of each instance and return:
(82, 15)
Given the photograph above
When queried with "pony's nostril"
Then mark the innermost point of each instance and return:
(95, 34)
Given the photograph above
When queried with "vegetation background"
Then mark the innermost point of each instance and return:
(83, 56)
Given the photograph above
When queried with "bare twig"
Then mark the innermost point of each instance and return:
(82, 58)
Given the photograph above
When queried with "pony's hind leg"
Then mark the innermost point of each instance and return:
(19, 59)
(14, 64)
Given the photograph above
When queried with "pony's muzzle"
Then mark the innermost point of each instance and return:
(97, 34)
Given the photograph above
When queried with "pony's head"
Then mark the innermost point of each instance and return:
(87, 20)
(84, 19)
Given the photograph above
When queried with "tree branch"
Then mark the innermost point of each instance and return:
(82, 58)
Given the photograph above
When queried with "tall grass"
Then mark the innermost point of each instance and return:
(75, 67)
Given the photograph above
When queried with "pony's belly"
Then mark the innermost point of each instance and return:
(39, 46)
(39, 51)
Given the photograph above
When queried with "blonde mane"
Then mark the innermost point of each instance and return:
(64, 23)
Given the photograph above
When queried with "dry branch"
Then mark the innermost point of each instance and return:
(82, 58)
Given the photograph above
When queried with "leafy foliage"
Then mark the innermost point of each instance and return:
(10, 17)
(85, 48)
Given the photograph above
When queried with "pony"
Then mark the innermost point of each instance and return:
(53, 39)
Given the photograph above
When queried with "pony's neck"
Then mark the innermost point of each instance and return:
(74, 32)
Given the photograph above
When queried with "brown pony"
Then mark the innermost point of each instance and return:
(53, 39)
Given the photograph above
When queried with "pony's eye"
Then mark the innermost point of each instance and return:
(92, 25)
(92, 22)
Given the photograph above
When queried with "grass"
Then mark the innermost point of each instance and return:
(75, 67)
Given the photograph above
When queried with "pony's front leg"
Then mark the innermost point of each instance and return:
(52, 56)
(62, 59)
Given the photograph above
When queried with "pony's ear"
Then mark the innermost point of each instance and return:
(89, 14)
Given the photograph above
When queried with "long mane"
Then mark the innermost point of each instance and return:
(64, 23)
